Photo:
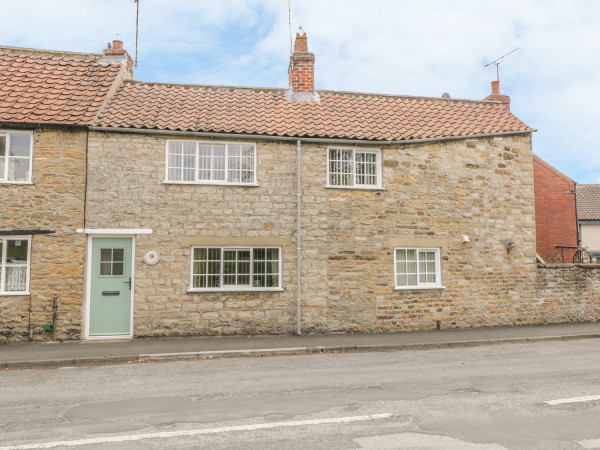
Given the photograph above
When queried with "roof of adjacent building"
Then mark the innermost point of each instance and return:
(267, 111)
(588, 201)
(42, 86)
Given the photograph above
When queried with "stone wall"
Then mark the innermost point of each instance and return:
(54, 202)
(432, 195)
(568, 292)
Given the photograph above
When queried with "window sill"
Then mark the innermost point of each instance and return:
(6, 294)
(194, 183)
(16, 182)
(418, 288)
(196, 290)
(359, 188)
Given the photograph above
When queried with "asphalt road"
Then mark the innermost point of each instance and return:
(515, 396)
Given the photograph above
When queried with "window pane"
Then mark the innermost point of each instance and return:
(105, 268)
(18, 169)
(214, 254)
(199, 268)
(16, 251)
(2, 167)
(198, 281)
(259, 253)
(272, 281)
(105, 254)
(117, 269)
(258, 281)
(20, 145)
(15, 278)
(199, 254)
(118, 254)
(411, 280)
(2, 146)
(273, 253)
(214, 267)
(259, 267)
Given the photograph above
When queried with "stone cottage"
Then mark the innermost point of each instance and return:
(227, 210)
(393, 212)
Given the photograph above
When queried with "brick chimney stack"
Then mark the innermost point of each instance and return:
(116, 54)
(496, 96)
(302, 66)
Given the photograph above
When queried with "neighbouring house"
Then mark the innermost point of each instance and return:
(205, 210)
(588, 217)
(555, 213)
(47, 100)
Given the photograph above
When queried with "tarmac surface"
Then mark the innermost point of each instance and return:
(69, 353)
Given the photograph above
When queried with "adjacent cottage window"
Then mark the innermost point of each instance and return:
(14, 265)
(350, 167)
(417, 268)
(15, 156)
(236, 268)
(210, 163)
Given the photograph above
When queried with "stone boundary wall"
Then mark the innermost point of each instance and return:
(568, 292)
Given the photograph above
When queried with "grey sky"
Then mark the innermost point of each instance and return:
(420, 48)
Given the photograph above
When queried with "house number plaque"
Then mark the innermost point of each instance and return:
(151, 257)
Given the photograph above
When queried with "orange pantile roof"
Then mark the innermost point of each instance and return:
(588, 201)
(42, 86)
(265, 111)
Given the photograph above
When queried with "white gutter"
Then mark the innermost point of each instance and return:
(298, 231)
(305, 139)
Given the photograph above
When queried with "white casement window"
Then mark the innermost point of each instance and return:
(14, 264)
(417, 268)
(210, 163)
(236, 268)
(353, 167)
(16, 149)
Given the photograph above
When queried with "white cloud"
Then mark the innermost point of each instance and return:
(389, 46)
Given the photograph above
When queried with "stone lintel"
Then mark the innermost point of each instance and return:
(253, 241)
(419, 242)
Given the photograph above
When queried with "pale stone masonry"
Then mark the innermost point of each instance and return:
(432, 195)
(440, 184)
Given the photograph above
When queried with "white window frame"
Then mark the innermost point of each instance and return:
(235, 288)
(196, 168)
(374, 151)
(6, 158)
(420, 285)
(4, 240)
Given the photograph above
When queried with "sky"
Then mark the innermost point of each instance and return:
(404, 47)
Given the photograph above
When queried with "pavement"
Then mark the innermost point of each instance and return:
(69, 353)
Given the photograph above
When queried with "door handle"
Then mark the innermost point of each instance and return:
(128, 282)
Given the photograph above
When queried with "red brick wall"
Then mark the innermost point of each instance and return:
(555, 218)
(302, 72)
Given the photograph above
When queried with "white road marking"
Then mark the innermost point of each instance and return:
(562, 401)
(169, 434)
(590, 443)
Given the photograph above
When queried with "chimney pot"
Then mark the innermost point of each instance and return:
(117, 45)
(495, 87)
(302, 66)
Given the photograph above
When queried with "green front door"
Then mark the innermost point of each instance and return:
(111, 284)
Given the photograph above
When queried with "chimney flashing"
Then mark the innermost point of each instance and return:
(115, 54)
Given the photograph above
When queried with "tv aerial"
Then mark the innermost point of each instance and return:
(497, 61)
